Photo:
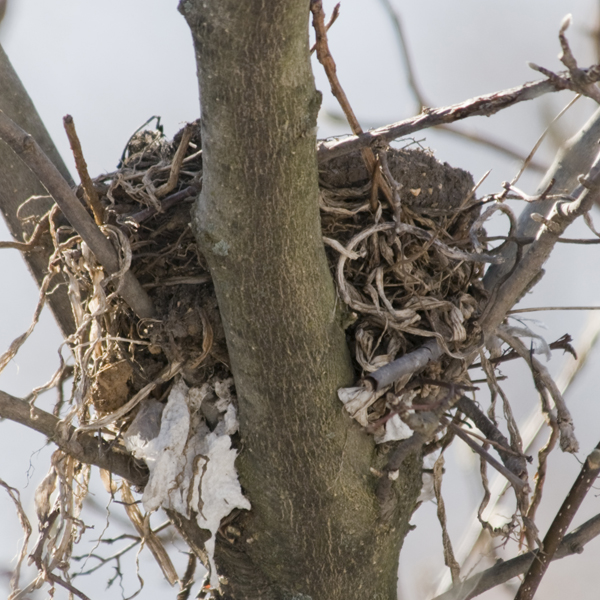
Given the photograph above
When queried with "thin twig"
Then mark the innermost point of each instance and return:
(449, 558)
(25, 526)
(90, 193)
(171, 183)
(556, 532)
(542, 308)
(513, 461)
(326, 59)
(543, 380)
(517, 483)
(485, 105)
(168, 202)
(35, 239)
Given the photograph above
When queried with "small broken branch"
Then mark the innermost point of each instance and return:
(89, 191)
(167, 203)
(515, 463)
(408, 364)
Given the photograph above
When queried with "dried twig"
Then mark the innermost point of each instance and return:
(171, 183)
(543, 380)
(514, 462)
(335, 13)
(556, 532)
(519, 485)
(485, 105)
(34, 241)
(141, 525)
(449, 558)
(25, 526)
(410, 363)
(168, 202)
(90, 193)
(543, 308)
(29, 151)
(579, 80)
(325, 58)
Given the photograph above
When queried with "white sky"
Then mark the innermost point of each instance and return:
(113, 64)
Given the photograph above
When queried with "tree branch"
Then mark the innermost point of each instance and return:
(33, 156)
(84, 447)
(567, 511)
(506, 570)
(485, 105)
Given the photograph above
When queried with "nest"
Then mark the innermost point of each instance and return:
(405, 271)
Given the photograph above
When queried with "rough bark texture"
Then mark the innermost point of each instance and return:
(313, 530)
(18, 183)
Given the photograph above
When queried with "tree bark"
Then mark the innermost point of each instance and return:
(313, 531)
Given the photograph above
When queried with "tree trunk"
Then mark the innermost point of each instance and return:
(313, 531)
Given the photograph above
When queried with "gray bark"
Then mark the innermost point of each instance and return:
(313, 530)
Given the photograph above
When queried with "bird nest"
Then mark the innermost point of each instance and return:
(406, 269)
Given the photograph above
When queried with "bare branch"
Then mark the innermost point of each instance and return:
(18, 183)
(85, 448)
(485, 105)
(505, 295)
(506, 570)
(554, 537)
(576, 157)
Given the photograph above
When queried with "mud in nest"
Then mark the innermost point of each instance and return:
(405, 271)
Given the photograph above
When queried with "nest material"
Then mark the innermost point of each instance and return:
(397, 270)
